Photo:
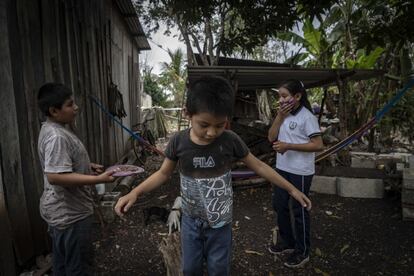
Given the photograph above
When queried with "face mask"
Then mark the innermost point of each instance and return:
(291, 101)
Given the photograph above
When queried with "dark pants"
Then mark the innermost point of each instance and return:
(280, 201)
(72, 249)
(199, 241)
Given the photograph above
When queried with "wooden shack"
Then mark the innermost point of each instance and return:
(86, 44)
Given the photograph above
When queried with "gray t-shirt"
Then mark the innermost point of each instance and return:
(205, 174)
(61, 151)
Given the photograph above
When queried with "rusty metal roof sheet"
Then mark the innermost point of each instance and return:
(255, 77)
(227, 61)
(130, 16)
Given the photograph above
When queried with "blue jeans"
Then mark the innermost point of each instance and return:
(280, 201)
(200, 242)
(72, 249)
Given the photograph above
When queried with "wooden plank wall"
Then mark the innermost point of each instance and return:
(84, 44)
(11, 161)
(7, 259)
(7, 262)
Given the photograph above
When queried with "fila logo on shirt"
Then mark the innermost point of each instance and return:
(201, 162)
(292, 125)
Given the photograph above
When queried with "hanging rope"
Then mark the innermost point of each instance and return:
(133, 134)
(348, 140)
(357, 134)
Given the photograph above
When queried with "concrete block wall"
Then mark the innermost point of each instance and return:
(107, 205)
(108, 212)
(360, 187)
(324, 184)
(363, 160)
(411, 161)
(408, 178)
(408, 212)
(407, 194)
(111, 196)
(372, 160)
(348, 187)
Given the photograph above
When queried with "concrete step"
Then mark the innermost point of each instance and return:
(350, 172)
(408, 178)
(108, 212)
(363, 160)
(411, 161)
(323, 184)
(111, 196)
(407, 196)
(360, 187)
(407, 212)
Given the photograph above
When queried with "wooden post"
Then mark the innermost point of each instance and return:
(343, 155)
(170, 248)
(343, 115)
(325, 95)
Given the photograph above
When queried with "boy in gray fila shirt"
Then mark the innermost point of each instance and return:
(204, 154)
(66, 202)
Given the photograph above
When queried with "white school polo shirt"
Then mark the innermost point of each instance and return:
(297, 128)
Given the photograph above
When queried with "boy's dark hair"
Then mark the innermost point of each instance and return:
(210, 94)
(52, 95)
(295, 87)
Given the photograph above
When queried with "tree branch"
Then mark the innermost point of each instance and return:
(197, 44)
(190, 54)
(221, 34)
(209, 39)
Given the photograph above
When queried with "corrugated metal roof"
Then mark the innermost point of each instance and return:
(226, 61)
(254, 77)
(130, 16)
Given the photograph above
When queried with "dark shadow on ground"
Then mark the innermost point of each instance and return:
(348, 236)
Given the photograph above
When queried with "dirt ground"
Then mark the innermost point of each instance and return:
(348, 236)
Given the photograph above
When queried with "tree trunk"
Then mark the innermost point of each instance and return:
(325, 95)
(344, 157)
(190, 55)
(406, 64)
(371, 136)
(343, 112)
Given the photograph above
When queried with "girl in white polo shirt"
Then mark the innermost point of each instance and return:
(296, 137)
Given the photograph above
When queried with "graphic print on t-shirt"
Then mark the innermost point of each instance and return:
(210, 198)
(202, 162)
(292, 125)
(205, 178)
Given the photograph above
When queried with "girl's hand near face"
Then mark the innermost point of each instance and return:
(284, 110)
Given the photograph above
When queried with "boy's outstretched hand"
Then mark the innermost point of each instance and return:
(96, 168)
(302, 199)
(124, 203)
(106, 177)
